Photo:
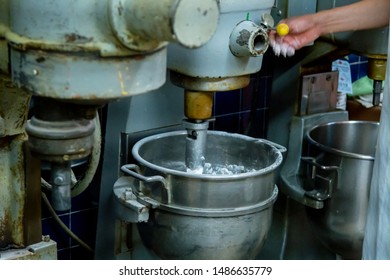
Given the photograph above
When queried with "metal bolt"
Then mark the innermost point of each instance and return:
(128, 194)
(46, 238)
(58, 180)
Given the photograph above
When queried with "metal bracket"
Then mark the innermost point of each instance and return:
(319, 93)
(322, 185)
(128, 208)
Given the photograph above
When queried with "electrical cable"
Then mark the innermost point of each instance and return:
(62, 225)
(93, 161)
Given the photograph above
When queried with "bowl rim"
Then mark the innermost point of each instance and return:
(135, 152)
(340, 152)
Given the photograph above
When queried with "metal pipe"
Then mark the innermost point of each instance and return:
(377, 72)
(61, 186)
(198, 106)
(376, 92)
(195, 145)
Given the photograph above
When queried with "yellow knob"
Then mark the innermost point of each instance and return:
(282, 29)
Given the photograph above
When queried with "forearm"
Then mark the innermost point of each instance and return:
(305, 29)
(365, 14)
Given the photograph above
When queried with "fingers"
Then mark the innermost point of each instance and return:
(302, 32)
(283, 49)
(287, 45)
(279, 46)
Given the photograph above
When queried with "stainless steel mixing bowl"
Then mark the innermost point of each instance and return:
(343, 158)
(203, 216)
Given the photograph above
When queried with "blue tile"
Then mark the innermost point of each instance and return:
(267, 65)
(63, 254)
(251, 96)
(244, 122)
(228, 123)
(227, 102)
(55, 231)
(83, 225)
(248, 95)
(45, 211)
(87, 198)
(257, 96)
(80, 253)
(83, 201)
(254, 123)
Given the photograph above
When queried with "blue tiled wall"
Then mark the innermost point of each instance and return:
(245, 111)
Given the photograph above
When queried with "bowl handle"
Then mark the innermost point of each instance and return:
(133, 170)
(322, 186)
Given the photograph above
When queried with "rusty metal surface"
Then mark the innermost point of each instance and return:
(68, 50)
(42, 250)
(209, 84)
(32, 214)
(4, 15)
(13, 115)
(377, 68)
(63, 26)
(12, 192)
(189, 23)
(14, 107)
(4, 56)
(109, 27)
(87, 77)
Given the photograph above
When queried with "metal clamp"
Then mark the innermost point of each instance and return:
(133, 170)
(128, 208)
(323, 186)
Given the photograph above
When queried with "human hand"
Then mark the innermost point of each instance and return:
(303, 30)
